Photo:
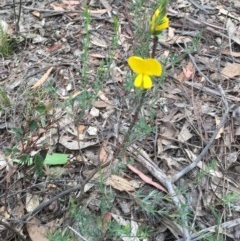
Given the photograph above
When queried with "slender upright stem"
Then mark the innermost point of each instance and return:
(138, 109)
(135, 118)
(155, 41)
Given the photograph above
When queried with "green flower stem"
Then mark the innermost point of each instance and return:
(138, 109)
(128, 134)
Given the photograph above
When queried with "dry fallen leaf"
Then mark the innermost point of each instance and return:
(36, 14)
(81, 129)
(231, 28)
(32, 201)
(122, 184)
(72, 96)
(42, 79)
(159, 146)
(36, 230)
(102, 96)
(237, 132)
(94, 112)
(54, 47)
(57, 7)
(103, 153)
(99, 42)
(106, 5)
(231, 70)
(100, 104)
(217, 121)
(234, 54)
(179, 39)
(71, 2)
(171, 33)
(187, 72)
(134, 227)
(92, 130)
(184, 134)
(105, 222)
(227, 13)
(19, 209)
(146, 179)
(97, 12)
(98, 56)
(70, 144)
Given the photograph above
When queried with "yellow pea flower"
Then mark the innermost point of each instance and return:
(159, 22)
(144, 68)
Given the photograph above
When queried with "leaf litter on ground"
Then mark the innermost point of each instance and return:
(193, 106)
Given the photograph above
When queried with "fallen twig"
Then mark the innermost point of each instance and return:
(142, 157)
(15, 231)
(201, 7)
(206, 89)
(199, 71)
(50, 11)
(200, 235)
(206, 148)
(168, 182)
(200, 24)
(68, 191)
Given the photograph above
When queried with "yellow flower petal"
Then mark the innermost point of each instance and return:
(147, 82)
(145, 66)
(143, 82)
(136, 64)
(138, 81)
(164, 24)
(154, 20)
(159, 24)
(152, 67)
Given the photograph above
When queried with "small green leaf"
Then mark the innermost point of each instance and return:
(56, 159)
(33, 125)
(4, 100)
(41, 108)
(38, 161)
(50, 159)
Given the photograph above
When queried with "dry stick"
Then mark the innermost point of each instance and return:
(200, 235)
(201, 7)
(206, 148)
(50, 11)
(19, 16)
(127, 135)
(175, 197)
(77, 233)
(10, 227)
(208, 90)
(200, 23)
(143, 158)
(199, 71)
(195, 65)
(207, 26)
(168, 183)
(61, 194)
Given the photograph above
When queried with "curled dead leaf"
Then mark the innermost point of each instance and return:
(122, 184)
